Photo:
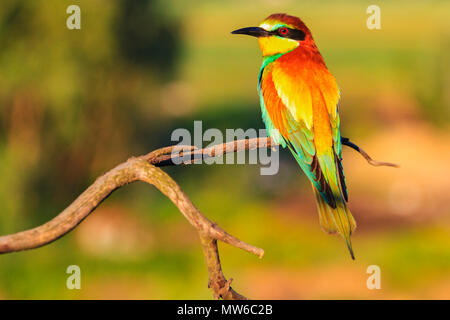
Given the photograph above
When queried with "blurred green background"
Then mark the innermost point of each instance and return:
(74, 103)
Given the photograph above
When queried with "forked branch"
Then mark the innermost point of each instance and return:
(145, 168)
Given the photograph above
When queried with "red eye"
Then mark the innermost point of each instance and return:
(284, 31)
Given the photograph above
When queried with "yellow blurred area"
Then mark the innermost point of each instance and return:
(74, 103)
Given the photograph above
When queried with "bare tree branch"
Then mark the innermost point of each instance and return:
(145, 168)
(188, 154)
(348, 143)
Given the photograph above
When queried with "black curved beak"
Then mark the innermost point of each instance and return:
(252, 31)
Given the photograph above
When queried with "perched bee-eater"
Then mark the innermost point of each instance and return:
(299, 102)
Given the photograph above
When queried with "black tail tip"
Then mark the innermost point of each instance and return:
(350, 249)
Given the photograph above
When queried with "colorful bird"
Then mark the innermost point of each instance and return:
(299, 102)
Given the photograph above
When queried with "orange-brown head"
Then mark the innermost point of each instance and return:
(279, 33)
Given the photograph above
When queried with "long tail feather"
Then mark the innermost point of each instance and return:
(338, 220)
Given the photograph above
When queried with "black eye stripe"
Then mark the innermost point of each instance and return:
(293, 34)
